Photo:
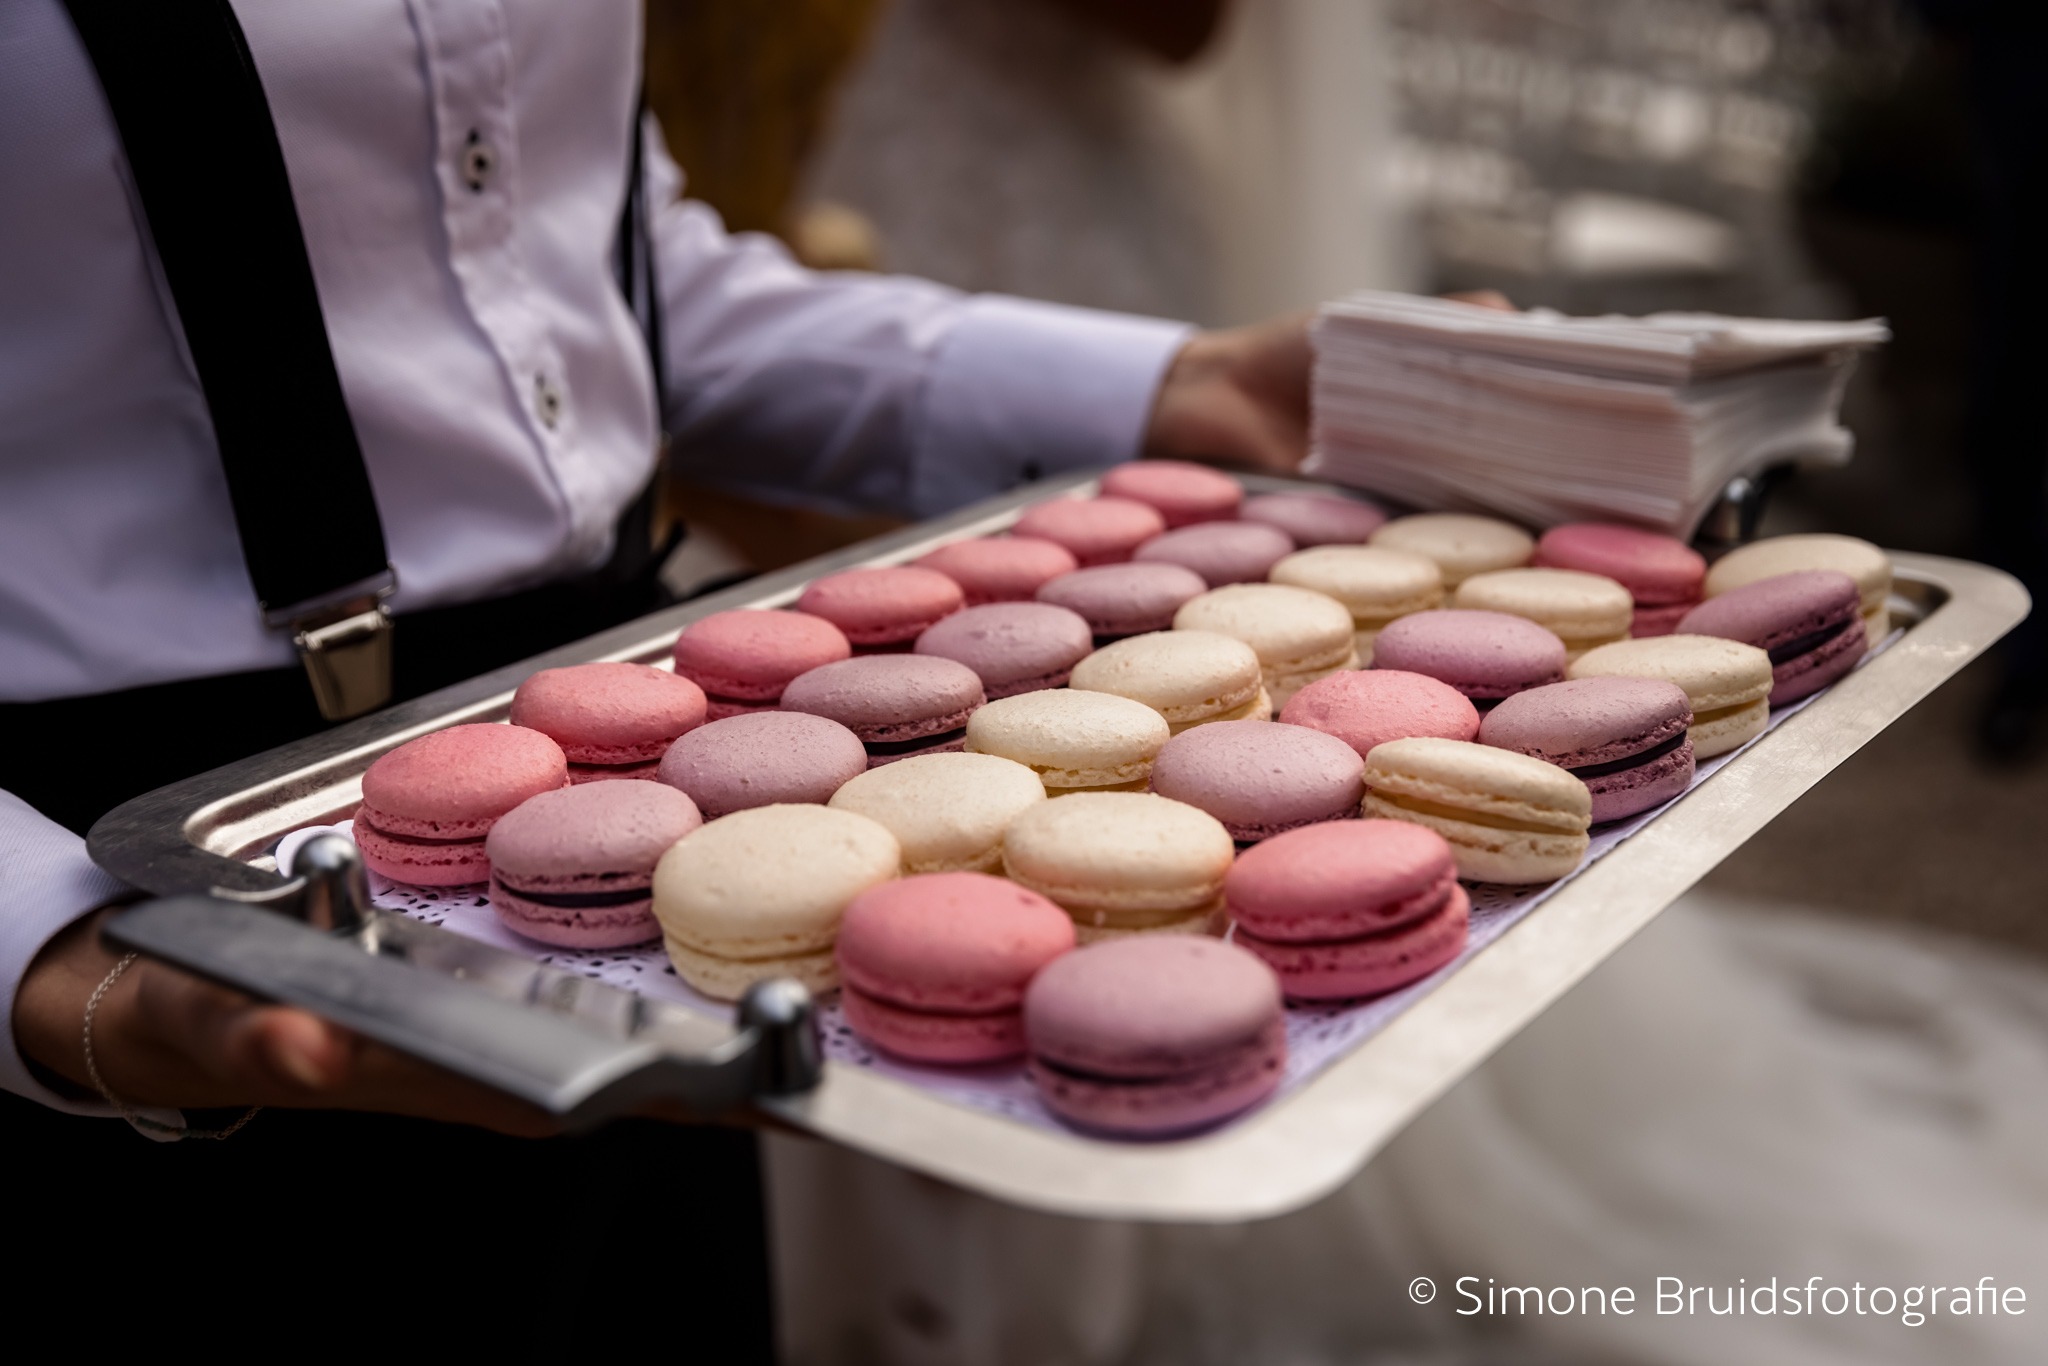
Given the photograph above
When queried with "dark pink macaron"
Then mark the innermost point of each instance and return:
(899, 705)
(1624, 738)
(1000, 568)
(1260, 779)
(1183, 493)
(1155, 1034)
(575, 866)
(1663, 574)
(1364, 708)
(744, 659)
(428, 804)
(1311, 519)
(1347, 910)
(1093, 530)
(1014, 647)
(1118, 600)
(1221, 552)
(763, 758)
(1484, 655)
(612, 720)
(934, 967)
(1808, 622)
(883, 608)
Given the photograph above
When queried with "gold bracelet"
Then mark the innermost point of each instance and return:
(141, 1123)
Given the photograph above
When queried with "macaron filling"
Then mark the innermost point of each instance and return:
(924, 741)
(1173, 1103)
(1368, 964)
(1588, 772)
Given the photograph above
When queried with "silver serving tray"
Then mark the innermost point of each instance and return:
(216, 830)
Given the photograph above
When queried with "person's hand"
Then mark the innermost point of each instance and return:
(1237, 397)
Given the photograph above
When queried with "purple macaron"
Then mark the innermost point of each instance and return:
(1221, 552)
(1809, 623)
(1624, 738)
(763, 758)
(1484, 655)
(899, 705)
(1259, 778)
(575, 867)
(1015, 647)
(1311, 519)
(1118, 600)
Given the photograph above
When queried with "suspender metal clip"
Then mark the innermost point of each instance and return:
(344, 640)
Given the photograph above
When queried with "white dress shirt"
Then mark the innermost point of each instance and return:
(499, 384)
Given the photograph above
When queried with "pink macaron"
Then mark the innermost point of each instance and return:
(1624, 738)
(884, 608)
(1000, 568)
(1221, 552)
(1260, 779)
(428, 804)
(1184, 494)
(744, 659)
(899, 705)
(1371, 707)
(612, 720)
(575, 866)
(934, 967)
(1118, 600)
(1484, 655)
(1013, 647)
(1155, 1034)
(1093, 530)
(763, 758)
(1663, 574)
(1312, 519)
(1809, 622)
(1347, 910)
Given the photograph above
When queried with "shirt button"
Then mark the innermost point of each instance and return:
(479, 161)
(547, 401)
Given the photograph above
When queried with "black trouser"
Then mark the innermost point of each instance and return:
(352, 1224)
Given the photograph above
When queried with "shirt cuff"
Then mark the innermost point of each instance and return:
(1021, 390)
(46, 882)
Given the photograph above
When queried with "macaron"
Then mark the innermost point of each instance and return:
(1311, 519)
(1298, 635)
(1093, 530)
(948, 811)
(898, 705)
(612, 720)
(1582, 610)
(1013, 647)
(1728, 683)
(1375, 585)
(761, 759)
(1663, 574)
(1189, 677)
(1122, 862)
(1507, 817)
(759, 894)
(1870, 567)
(1346, 910)
(1369, 708)
(1000, 568)
(428, 804)
(1461, 544)
(934, 968)
(1074, 741)
(883, 608)
(1809, 622)
(1221, 552)
(744, 659)
(1155, 1036)
(1260, 779)
(1183, 494)
(1624, 738)
(1118, 600)
(575, 866)
(1484, 655)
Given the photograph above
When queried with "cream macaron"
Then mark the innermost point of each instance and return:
(1583, 610)
(1123, 862)
(1188, 677)
(759, 893)
(1376, 585)
(1860, 560)
(1299, 635)
(1461, 544)
(948, 811)
(1728, 683)
(1072, 741)
(1508, 817)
